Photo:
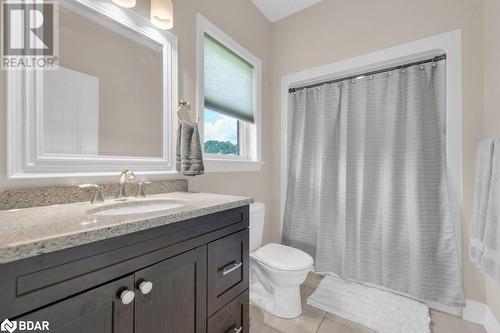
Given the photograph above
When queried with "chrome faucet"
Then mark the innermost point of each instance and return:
(141, 193)
(126, 177)
(97, 197)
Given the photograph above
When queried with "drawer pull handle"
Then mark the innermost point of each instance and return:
(235, 330)
(127, 296)
(231, 268)
(145, 287)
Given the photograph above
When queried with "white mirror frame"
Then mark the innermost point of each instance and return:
(25, 106)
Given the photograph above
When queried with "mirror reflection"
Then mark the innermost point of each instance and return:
(106, 98)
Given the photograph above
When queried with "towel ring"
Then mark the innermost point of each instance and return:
(185, 105)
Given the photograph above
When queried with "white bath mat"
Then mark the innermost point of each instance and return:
(382, 311)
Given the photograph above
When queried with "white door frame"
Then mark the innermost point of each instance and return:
(449, 43)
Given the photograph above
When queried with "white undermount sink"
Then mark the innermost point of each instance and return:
(136, 207)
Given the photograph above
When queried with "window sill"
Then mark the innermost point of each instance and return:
(227, 165)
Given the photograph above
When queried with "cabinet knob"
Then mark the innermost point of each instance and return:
(145, 287)
(127, 296)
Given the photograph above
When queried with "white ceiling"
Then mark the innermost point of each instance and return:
(275, 10)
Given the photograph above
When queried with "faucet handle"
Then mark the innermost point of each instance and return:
(127, 176)
(140, 189)
(97, 194)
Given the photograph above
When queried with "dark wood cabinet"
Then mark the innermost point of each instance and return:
(176, 302)
(98, 311)
(187, 277)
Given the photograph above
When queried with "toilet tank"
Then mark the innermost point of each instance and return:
(257, 213)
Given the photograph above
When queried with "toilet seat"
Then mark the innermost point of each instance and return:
(283, 257)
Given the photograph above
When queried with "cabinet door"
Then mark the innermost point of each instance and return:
(176, 303)
(99, 310)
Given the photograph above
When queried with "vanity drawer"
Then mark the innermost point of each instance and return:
(232, 318)
(228, 260)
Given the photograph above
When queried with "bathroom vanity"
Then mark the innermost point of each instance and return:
(179, 270)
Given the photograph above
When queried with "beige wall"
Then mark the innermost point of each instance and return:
(492, 108)
(336, 29)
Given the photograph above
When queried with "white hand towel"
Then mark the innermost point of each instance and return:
(484, 246)
(484, 158)
(490, 261)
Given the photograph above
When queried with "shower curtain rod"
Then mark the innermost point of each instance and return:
(352, 77)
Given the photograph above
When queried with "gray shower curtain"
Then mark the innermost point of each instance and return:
(367, 194)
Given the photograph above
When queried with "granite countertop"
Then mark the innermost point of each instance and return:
(32, 231)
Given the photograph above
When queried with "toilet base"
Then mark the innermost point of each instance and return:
(283, 302)
(287, 303)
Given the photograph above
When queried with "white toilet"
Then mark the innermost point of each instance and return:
(276, 271)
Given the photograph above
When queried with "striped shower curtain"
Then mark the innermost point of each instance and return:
(367, 194)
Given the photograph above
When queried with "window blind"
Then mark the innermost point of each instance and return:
(228, 81)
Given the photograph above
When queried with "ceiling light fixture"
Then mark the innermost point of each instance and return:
(125, 3)
(162, 13)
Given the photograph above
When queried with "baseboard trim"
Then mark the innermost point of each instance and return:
(474, 311)
(453, 310)
(479, 313)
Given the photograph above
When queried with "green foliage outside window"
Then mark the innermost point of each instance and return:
(220, 147)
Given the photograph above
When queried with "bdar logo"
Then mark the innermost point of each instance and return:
(8, 326)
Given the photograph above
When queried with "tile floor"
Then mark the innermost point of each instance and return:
(314, 320)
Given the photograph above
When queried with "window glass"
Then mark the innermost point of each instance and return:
(221, 134)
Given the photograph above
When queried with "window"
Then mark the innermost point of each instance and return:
(229, 95)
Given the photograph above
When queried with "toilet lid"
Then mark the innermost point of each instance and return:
(283, 257)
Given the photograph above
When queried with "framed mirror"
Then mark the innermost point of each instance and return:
(109, 105)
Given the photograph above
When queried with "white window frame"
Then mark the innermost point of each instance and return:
(250, 134)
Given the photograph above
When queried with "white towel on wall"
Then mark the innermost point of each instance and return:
(484, 158)
(484, 246)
